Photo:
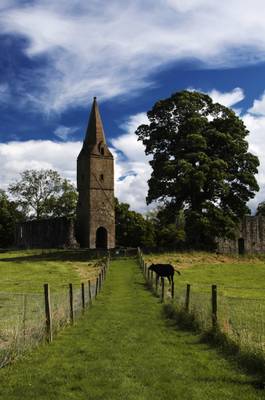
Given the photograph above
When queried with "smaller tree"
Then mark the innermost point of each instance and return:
(132, 229)
(169, 227)
(44, 193)
(9, 216)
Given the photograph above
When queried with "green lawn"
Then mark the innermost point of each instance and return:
(22, 275)
(124, 349)
(241, 292)
(27, 271)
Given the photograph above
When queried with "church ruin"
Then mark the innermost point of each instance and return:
(95, 185)
(95, 225)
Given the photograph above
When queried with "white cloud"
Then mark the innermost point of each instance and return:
(110, 48)
(258, 107)
(227, 99)
(65, 132)
(132, 165)
(256, 139)
(15, 157)
(127, 143)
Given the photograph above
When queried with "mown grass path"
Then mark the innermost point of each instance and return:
(124, 349)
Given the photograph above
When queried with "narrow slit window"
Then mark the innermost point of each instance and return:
(101, 177)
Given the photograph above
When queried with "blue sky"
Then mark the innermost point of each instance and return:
(55, 56)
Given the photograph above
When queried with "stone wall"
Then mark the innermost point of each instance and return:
(249, 238)
(46, 233)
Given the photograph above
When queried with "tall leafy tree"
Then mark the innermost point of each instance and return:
(44, 193)
(9, 216)
(200, 164)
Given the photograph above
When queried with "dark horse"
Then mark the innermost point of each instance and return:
(164, 270)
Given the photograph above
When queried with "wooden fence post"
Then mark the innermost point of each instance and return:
(172, 289)
(157, 280)
(187, 298)
(24, 316)
(99, 282)
(163, 289)
(71, 302)
(89, 292)
(214, 306)
(96, 291)
(83, 296)
(48, 312)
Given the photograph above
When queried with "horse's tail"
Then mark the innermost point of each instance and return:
(175, 270)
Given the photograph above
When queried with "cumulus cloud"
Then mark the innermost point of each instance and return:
(16, 157)
(258, 107)
(132, 165)
(90, 50)
(256, 127)
(227, 99)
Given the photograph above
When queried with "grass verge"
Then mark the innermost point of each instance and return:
(252, 362)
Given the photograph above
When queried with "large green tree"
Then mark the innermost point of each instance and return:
(200, 164)
(44, 193)
(9, 216)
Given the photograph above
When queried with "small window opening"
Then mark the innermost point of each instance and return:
(101, 177)
(102, 151)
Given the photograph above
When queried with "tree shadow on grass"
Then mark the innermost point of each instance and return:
(57, 255)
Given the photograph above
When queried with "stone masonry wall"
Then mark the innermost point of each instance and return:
(250, 237)
(46, 233)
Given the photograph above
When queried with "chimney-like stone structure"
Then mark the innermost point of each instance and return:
(95, 185)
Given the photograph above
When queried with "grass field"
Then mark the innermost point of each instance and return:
(22, 275)
(123, 348)
(27, 271)
(241, 292)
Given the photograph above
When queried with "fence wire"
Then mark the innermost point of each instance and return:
(241, 318)
(23, 318)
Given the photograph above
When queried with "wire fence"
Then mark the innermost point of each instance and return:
(241, 319)
(27, 319)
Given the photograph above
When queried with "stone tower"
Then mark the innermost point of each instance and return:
(95, 185)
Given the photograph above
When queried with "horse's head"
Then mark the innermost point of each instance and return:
(152, 267)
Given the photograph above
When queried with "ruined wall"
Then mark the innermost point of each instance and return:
(46, 233)
(250, 237)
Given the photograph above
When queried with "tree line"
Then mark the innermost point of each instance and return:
(42, 194)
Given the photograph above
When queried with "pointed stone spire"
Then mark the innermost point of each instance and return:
(95, 132)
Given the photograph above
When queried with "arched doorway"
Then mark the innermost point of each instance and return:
(102, 238)
(241, 246)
